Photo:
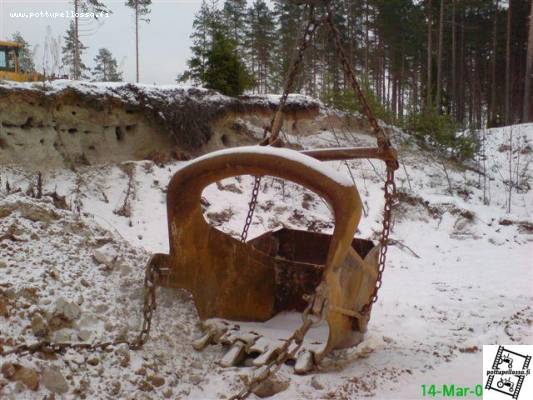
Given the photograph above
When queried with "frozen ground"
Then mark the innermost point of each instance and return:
(459, 275)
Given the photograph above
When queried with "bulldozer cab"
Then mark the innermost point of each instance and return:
(9, 56)
(10, 64)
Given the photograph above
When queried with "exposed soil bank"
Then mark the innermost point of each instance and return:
(65, 123)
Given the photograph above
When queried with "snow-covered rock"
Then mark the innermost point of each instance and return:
(54, 381)
(106, 255)
(39, 327)
(66, 309)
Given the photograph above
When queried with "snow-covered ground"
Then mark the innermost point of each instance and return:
(459, 275)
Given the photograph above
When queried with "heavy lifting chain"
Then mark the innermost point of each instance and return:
(275, 124)
(305, 40)
(383, 141)
(297, 338)
(251, 209)
(384, 144)
(151, 276)
(390, 196)
(389, 191)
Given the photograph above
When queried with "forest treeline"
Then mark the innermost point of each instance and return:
(464, 59)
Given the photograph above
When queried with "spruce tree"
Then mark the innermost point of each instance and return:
(106, 68)
(72, 52)
(26, 63)
(224, 71)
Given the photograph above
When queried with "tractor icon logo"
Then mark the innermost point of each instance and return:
(508, 372)
(506, 358)
(506, 382)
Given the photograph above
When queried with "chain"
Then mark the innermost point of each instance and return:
(389, 189)
(152, 273)
(298, 335)
(383, 141)
(305, 40)
(384, 144)
(251, 209)
(285, 351)
(275, 124)
(390, 195)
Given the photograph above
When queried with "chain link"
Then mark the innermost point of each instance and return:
(384, 144)
(275, 124)
(152, 273)
(251, 209)
(305, 40)
(390, 195)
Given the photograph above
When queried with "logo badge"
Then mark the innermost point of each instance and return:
(506, 372)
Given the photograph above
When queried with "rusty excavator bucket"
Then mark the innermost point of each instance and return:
(274, 272)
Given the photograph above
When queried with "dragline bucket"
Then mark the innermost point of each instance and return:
(274, 272)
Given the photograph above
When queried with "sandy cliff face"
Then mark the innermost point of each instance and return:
(68, 124)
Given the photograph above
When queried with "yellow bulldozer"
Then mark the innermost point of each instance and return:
(10, 66)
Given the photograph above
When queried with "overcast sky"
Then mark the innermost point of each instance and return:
(164, 42)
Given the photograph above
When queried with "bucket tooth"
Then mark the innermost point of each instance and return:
(260, 345)
(213, 331)
(234, 355)
(202, 342)
(266, 356)
(261, 373)
(305, 362)
(249, 339)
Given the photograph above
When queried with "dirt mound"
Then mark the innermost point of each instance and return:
(66, 279)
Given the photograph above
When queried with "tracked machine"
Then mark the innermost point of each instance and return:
(10, 66)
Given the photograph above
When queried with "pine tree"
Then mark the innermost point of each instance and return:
(234, 15)
(290, 18)
(508, 64)
(438, 95)
(26, 62)
(429, 51)
(206, 22)
(141, 9)
(425, 55)
(260, 38)
(492, 117)
(106, 68)
(224, 71)
(95, 6)
(72, 52)
(527, 115)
